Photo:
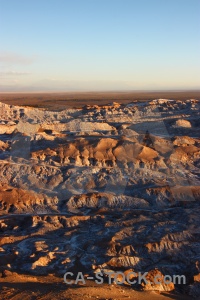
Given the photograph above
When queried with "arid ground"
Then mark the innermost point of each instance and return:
(99, 182)
(50, 288)
(79, 99)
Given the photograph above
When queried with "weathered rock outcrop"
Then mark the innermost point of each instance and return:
(103, 188)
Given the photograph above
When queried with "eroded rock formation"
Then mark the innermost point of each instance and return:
(91, 187)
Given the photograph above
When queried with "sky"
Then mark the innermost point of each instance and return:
(99, 45)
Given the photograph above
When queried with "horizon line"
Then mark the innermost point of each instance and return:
(102, 91)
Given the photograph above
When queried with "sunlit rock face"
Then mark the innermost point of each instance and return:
(102, 187)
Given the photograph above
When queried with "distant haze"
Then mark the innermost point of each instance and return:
(99, 45)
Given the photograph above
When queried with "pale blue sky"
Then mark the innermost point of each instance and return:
(60, 45)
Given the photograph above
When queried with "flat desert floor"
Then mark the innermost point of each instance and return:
(78, 99)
